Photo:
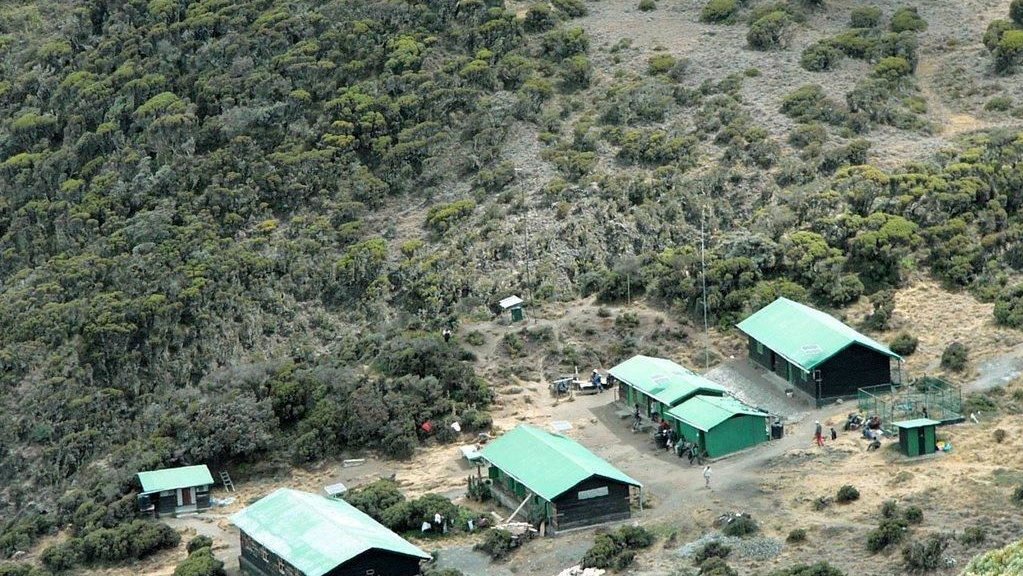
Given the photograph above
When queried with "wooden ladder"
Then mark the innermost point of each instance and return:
(225, 479)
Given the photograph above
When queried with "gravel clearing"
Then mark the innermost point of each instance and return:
(749, 548)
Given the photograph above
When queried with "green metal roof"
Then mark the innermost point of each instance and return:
(316, 534)
(706, 412)
(547, 464)
(174, 478)
(664, 380)
(917, 423)
(804, 336)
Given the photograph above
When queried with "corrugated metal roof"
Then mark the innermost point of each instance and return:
(706, 412)
(174, 478)
(664, 380)
(547, 464)
(916, 423)
(510, 301)
(804, 336)
(316, 534)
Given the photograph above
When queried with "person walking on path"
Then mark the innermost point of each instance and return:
(706, 476)
(834, 435)
(818, 433)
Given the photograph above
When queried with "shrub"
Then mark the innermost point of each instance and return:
(716, 567)
(719, 11)
(954, 357)
(998, 104)
(1009, 51)
(661, 64)
(576, 72)
(820, 57)
(994, 32)
(904, 344)
(907, 20)
(804, 135)
(199, 542)
(634, 537)
(441, 217)
(571, 8)
(821, 503)
(1017, 495)
(818, 569)
(740, 526)
(539, 18)
(889, 531)
(769, 31)
(865, 17)
(409, 515)
(889, 509)
(1016, 11)
(973, 535)
(892, 68)
(712, 549)
(200, 562)
(796, 535)
(809, 103)
(475, 338)
(847, 494)
(11, 569)
(999, 435)
(925, 555)
(375, 497)
(647, 5)
(913, 515)
(497, 543)
(602, 553)
(616, 549)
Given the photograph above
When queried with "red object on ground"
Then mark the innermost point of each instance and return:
(427, 427)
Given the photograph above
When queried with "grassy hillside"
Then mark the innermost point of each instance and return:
(231, 231)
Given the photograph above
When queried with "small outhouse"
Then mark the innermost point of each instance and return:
(917, 437)
(173, 491)
(514, 304)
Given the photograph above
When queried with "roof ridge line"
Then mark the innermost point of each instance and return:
(570, 457)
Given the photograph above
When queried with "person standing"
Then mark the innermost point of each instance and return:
(447, 335)
(706, 476)
(834, 435)
(818, 433)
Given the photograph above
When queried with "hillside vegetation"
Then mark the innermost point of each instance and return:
(232, 230)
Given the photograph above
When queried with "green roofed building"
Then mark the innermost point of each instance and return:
(719, 425)
(815, 352)
(658, 384)
(175, 490)
(551, 478)
(293, 533)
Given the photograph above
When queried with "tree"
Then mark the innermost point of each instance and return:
(1009, 306)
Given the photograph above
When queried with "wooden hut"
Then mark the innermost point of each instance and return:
(550, 478)
(657, 384)
(719, 425)
(815, 352)
(173, 491)
(293, 533)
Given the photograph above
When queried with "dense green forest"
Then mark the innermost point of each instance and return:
(232, 230)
